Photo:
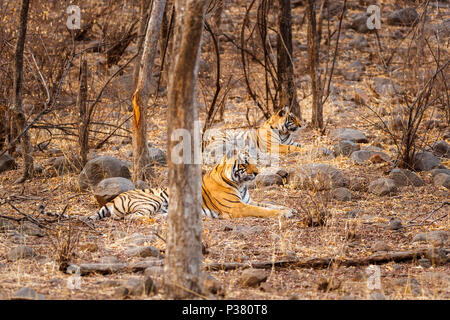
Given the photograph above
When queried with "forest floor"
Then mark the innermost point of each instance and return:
(356, 228)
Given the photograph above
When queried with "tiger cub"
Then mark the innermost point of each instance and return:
(136, 203)
(273, 136)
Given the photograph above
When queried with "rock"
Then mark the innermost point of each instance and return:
(6, 225)
(252, 277)
(436, 238)
(425, 263)
(359, 23)
(425, 161)
(442, 180)
(317, 176)
(110, 284)
(246, 231)
(435, 172)
(360, 43)
(342, 194)
(386, 87)
(7, 163)
(139, 239)
(66, 163)
(30, 229)
(357, 65)
(323, 153)
(144, 252)
(345, 148)
(381, 246)
(403, 17)
(157, 156)
(268, 179)
(117, 234)
(101, 168)
(351, 75)
(394, 224)
(27, 293)
(403, 177)
(139, 287)
(441, 149)
(382, 187)
(110, 188)
(348, 134)
(109, 259)
(21, 252)
(363, 156)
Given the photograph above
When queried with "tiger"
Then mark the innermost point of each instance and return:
(137, 202)
(274, 135)
(224, 195)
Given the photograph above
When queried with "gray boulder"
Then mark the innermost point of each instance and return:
(425, 161)
(157, 156)
(317, 176)
(441, 149)
(359, 23)
(101, 168)
(346, 147)
(252, 277)
(6, 163)
(342, 194)
(21, 252)
(442, 179)
(436, 237)
(363, 156)
(110, 188)
(386, 87)
(403, 177)
(348, 134)
(403, 17)
(382, 187)
(27, 293)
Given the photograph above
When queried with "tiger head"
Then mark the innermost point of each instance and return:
(284, 121)
(239, 167)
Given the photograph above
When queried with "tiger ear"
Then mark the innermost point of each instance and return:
(283, 111)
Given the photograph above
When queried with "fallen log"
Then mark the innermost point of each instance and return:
(436, 255)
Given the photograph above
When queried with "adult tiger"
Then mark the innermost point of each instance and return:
(224, 195)
(273, 136)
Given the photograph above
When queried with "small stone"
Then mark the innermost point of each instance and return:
(425, 161)
(27, 293)
(211, 284)
(268, 179)
(403, 177)
(382, 187)
(139, 239)
(317, 176)
(409, 284)
(394, 224)
(110, 284)
(362, 157)
(109, 259)
(342, 194)
(403, 17)
(7, 163)
(359, 23)
(6, 225)
(252, 277)
(442, 179)
(435, 172)
(110, 188)
(353, 135)
(117, 234)
(30, 229)
(346, 148)
(139, 287)
(381, 246)
(425, 263)
(21, 252)
(441, 149)
(157, 156)
(144, 252)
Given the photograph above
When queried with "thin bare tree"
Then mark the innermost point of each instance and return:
(141, 159)
(285, 63)
(83, 127)
(183, 264)
(19, 116)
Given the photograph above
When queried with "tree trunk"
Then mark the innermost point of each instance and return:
(144, 13)
(19, 116)
(285, 64)
(83, 129)
(183, 266)
(141, 159)
(313, 63)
